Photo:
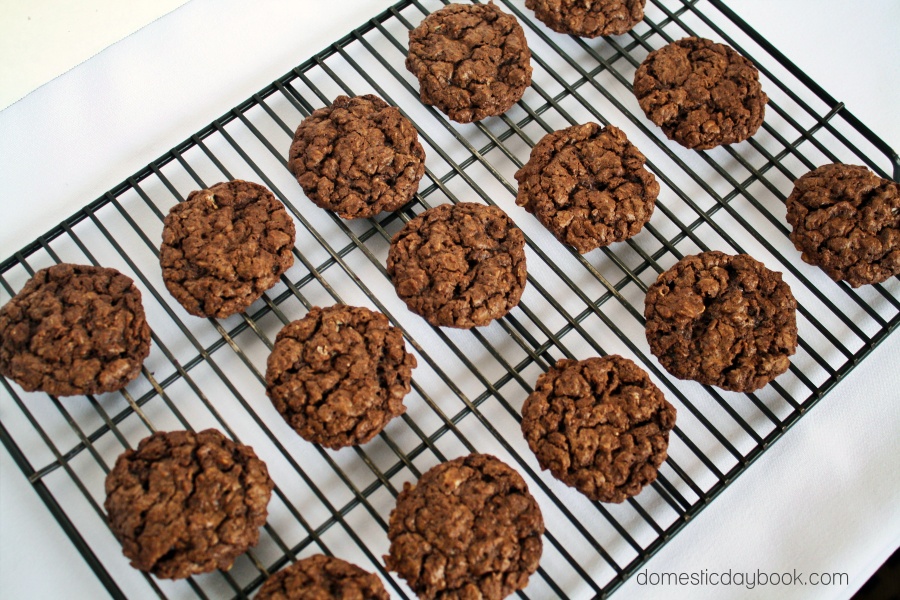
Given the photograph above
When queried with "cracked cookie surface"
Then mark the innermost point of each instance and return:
(185, 503)
(74, 329)
(702, 94)
(469, 528)
(459, 265)
(224, 246)
(588, 18)
(339, 375)
(599, 425)
(358, 157)
(588, 186)
(846, 220)
(321, 577)
(472, 61)
(723, 320)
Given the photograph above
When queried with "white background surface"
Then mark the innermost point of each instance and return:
(42, 40)
(824, 498)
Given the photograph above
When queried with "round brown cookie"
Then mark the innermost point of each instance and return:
(701, 93)
(357, 157)
(468, 529)
(589, 18)
(459, 265)
(321, 577)
(588, 186)
(472, 61)
(74, 329)
(846, 220)
(224, 246)
(339, 374)
(723, 320)
(185, 503)
(599, 425)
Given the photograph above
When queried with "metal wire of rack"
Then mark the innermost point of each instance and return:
(469, 385)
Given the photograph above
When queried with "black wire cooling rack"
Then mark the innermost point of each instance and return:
(469, 386)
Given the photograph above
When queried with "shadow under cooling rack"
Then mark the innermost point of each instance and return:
(469, 386)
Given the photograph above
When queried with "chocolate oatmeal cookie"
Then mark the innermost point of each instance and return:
(701, 93)
(846, 220)
(459, 265)
(599, 425)
(74, 329)
(589, 18)
(224, 246)
(472, 61)
(339, 374)
(468, 529)
(357, 157)
(723, 320)
(185, 503)
(588, 186)
(321, 577)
